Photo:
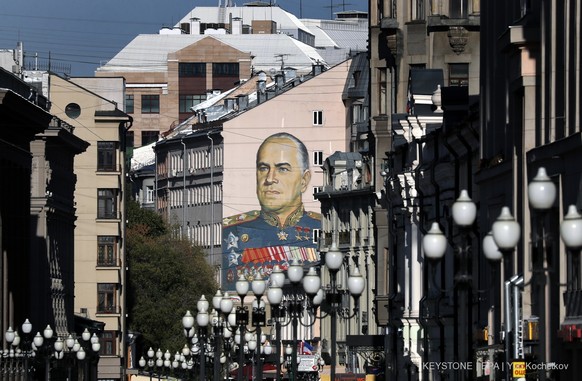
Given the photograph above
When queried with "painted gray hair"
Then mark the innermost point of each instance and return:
(302, 154)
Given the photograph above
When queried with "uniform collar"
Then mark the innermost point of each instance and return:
(292, 220)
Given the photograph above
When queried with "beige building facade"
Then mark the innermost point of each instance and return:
(99, 197)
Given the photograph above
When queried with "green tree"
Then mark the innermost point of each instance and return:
(166, 278)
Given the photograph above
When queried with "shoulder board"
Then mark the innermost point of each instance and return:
(240, 218)
(314, 215)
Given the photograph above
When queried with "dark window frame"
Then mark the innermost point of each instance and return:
(148, 137)
(107, 298)
(150, 103)
(191, 69)
(225, 69)
(129, 103)
(458, 74)
(108, 343)
(107, 203)
(107, 250)
(187, 101)
(106, 156)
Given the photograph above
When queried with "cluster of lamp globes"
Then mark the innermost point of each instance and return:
(505, 232)
(72, 344)
(224, 305)
(311, 285)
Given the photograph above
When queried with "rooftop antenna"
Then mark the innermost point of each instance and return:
(282, 57)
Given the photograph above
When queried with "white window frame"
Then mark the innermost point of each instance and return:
(318, 117)
(317, 158)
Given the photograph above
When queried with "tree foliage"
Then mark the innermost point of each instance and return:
(166, 278)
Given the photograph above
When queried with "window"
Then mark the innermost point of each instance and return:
(107, 203)
(129, 103)
(318, 118)
(382, 91)
(192, 69)
(150, 104)
(458, 9)
(225, 69)
(317, 158)
(458, 74)
(106, 298)
(148, 137)
(106, 250)
(73, 110)
(317, 190)
(188, 101)
(108, 341)
(129, 139)
(149, 196)
(417, 10)
(315, 236)
(106, 156)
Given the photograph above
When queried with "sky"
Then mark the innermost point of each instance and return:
(82, 35)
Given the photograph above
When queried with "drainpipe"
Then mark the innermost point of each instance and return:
(184, 203)
(211, 197)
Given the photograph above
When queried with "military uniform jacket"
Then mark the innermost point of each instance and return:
(259, 237)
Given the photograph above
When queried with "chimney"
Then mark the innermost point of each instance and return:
(279, 81)
(236, 25)
(194, 25)
(261, 90)
(229, 104)
(317, 69)
(242, 101)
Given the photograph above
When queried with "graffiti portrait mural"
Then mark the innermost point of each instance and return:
(281, 229)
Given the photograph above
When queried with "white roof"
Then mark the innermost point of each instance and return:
(284, 19)
(149, 52)
(143, 156)
(338, 33)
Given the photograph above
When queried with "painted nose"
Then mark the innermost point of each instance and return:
(271, 178)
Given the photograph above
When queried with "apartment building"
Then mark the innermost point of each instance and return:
(99, 201)
(212, 50)
(417, 49)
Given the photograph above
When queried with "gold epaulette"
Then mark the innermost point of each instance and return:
(240, 218)
(314, 215)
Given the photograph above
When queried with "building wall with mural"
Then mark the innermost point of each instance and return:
(255, 235)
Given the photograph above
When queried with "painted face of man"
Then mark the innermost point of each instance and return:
(280, 179)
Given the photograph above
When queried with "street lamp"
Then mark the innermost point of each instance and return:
(541, 194)
(571, 234)
(434, 245)
(464, 214)
(223, 305)
(275, 297)
(506, 234)
(198, 341)
(334, 259)
(38, 348)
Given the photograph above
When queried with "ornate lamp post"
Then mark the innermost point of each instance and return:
(198, 341)
(541, 194)
(571, 233)
(275, 297)
(334, 259)
(506, 233)
(464, 214)
(223, 304)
